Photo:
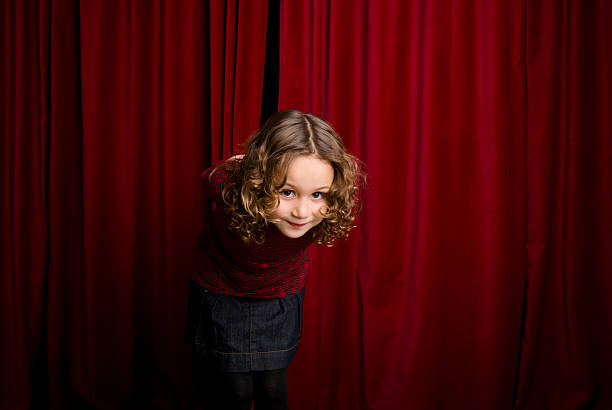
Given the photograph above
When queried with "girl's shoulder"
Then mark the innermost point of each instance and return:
(217, 177)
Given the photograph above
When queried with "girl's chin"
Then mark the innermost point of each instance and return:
(291, 231)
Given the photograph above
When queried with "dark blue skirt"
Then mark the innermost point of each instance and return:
(243, 334)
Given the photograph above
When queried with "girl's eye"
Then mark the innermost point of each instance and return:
(287, 193)
(318, 195)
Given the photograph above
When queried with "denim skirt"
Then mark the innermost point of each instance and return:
(241, 334)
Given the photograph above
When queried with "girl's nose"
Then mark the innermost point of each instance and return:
(300, 210)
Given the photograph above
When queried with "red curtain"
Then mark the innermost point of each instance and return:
(566, 359)
(427, 299)
(108, 119)
(479, 276)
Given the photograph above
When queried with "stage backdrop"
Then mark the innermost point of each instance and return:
(480, 274)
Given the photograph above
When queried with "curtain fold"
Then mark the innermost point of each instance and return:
(237, 59)
(110, 116)
(24, 223)
(566, 360)
(479, 277)
(431, 98)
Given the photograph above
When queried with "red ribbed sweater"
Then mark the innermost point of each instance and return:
(227, 265)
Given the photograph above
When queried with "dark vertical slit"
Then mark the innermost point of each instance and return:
(218, 155)
(526, 209)
(269, 97)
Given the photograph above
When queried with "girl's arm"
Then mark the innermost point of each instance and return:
(216, 177)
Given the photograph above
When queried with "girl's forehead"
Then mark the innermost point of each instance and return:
(309, 171)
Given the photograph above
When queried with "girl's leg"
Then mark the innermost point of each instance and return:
(236, 391)
(219, 390)
(270, 390)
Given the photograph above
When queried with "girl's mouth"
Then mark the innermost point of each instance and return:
(296, 226)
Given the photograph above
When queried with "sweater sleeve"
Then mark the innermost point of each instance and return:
(214, 182)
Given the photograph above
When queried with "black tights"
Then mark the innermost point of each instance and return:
(268, 389)
(222, 390)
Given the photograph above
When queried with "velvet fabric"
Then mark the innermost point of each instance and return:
(480, 274)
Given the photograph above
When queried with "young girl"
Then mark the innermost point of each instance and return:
(295, 185)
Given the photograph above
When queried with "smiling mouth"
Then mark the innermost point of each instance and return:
(296, 225)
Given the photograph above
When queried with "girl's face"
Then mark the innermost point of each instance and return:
(302, 199)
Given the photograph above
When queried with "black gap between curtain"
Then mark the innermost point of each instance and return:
(269, 97)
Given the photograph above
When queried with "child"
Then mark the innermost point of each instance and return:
(295, 185)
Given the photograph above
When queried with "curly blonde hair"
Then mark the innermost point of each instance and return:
(252, 196)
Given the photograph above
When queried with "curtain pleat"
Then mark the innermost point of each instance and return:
(110, 117)
(478, 278)
(565, 358)
(431, 286)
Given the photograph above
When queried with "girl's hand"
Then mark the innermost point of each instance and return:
(236, 157)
